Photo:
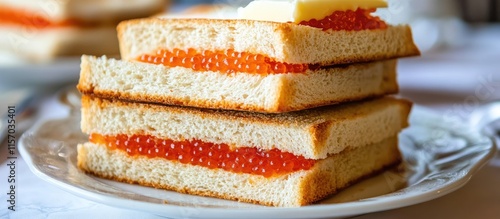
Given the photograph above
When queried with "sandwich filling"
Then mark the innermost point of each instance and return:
(228, 61)
(249, 160)
(25, 18)
(360, 19)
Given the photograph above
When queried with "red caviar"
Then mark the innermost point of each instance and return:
(228, 61)
(29, 18)
(195, 152)
(361, 19)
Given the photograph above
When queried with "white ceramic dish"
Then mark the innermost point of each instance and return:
(440, 157)
(62, 70)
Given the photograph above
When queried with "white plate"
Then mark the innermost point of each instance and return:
(439, 157)
(61, 70)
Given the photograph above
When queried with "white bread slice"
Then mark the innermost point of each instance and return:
(314, 133)
(283, 42)
(89, 11)
(45, 45)
(144, 82)
(296, 189)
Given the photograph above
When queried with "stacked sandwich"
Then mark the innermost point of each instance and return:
(41, 30)
(269, 112)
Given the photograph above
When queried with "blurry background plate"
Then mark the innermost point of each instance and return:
(16, 73)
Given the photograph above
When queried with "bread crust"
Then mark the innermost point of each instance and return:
(284, 42)
(308, 186)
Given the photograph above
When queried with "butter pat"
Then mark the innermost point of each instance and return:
(318, 9)
(301, 10)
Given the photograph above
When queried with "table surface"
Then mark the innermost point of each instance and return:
(453, 82)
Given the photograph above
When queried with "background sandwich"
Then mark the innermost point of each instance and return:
(38, 30)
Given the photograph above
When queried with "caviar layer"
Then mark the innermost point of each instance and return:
(195, 152)
(361, 19)
(28, 18)
(228, 61)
